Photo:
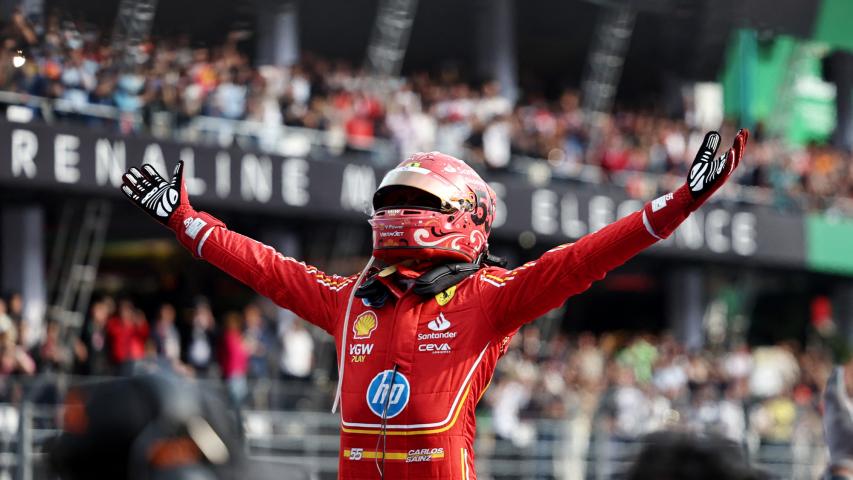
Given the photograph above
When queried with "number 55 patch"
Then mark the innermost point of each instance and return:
(356, 453)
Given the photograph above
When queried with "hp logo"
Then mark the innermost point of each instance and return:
(380, 389)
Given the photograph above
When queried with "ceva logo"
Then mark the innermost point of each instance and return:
(440, 324)
(434, 347)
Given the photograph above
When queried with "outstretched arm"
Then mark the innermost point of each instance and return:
(291, 284)
(518, 296)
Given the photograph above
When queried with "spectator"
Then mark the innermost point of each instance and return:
(590, 361)
(296, 363)
(78, 79)
(737, 364)
(297, 351)
(5, 320)
(233, 358)
(510, 398)
(16, 308)
(496, 143)
(90, 350)
(732, 418)
(640, 357)
(127, 333)
(197, 339)
(258, 342)
(775, 418)
(229, 98)
(52, 355)
(670, 376)
(359, 130)
(14, 359)
(167, 343)
(774, 371)
(631, 406)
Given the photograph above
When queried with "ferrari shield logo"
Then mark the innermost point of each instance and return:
(446, 296)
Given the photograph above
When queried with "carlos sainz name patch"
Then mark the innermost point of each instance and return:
(412, 456)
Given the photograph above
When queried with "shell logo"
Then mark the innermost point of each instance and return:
(364, 325)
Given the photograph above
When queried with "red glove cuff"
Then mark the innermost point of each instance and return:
(664, 214)
(192, 228)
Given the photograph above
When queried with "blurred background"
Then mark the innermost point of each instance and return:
(287, 114)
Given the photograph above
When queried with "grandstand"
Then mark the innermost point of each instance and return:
(288, 113)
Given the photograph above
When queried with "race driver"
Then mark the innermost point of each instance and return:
(418, 335)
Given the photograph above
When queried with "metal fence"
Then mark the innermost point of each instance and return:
(304, 434)
(560, 449)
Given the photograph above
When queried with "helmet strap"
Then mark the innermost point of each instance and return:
(443, 277)
(488, 260)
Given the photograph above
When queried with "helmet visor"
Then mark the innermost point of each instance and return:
(418, 187)
(399, 196)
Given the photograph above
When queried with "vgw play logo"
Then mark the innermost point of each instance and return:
(388, 389)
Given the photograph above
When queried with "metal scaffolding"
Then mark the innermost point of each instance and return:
(390, 37)
(605, 61)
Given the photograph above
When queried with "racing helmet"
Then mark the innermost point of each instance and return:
(432, 207)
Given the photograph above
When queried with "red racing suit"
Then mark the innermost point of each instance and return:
(426, 361)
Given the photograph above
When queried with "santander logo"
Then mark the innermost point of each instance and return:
(440, 324)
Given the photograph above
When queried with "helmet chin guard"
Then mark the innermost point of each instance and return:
(432, 207)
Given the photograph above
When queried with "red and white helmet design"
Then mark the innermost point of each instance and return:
(432, 207)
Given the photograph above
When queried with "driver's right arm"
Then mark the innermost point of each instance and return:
(301, 288)
(291, 284)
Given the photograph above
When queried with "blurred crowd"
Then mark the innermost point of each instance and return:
(119, 338)
(633, 384)
(174, 80)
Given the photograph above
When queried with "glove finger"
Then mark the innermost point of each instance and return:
(152, 174)
(740, 145)
(178, 180)
(698, 174)
(131, 194)
(179, 171)
(709, 147)
(729, 161)
(141, 179)
(742, 137)
(132, 183)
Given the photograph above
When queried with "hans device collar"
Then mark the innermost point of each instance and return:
(430, 283)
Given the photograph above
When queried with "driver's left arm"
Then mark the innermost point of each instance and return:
(515, 297)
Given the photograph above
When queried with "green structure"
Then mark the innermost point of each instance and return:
(777, 82)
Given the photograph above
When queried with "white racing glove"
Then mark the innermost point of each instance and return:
(166, 201)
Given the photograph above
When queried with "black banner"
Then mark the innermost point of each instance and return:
(717, 230)
(38, 156)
